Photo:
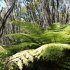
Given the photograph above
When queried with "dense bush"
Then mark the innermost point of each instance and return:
(53, 37)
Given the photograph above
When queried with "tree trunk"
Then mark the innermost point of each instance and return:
(3, 22)
(46, 10)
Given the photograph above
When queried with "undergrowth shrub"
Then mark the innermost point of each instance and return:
(67, 29)
(2, 51)
(32, 36)
(53, 37)
(12, 49)
(3, 54)
(55, 26)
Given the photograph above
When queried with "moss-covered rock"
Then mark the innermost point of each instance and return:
(48, 56)
(54, 51)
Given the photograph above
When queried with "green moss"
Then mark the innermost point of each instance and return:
(12, 49)
(55, 26)
(49, 56)
(54, 52)
(67, 29)
(2, 51)
(53, 37)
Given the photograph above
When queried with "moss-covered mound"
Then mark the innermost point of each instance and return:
(2, 50)
(54, 37)
(46, 57)
(67, 29)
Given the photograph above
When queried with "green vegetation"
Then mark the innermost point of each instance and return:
(67, 29)
(56, 55)
(35, 35)
(3, 53)
(2, 50)
(54, 51)
(32, 36)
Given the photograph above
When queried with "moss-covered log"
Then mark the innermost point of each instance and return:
(46, 57)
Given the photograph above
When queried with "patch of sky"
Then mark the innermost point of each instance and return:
(2, 4)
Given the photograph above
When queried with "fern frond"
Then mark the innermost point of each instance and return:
(12, 49)
(21, 37)
(29, 28)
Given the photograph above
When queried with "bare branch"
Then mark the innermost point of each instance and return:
(5, 18)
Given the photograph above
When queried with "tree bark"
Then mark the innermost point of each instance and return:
(3, 22)
(46, 10)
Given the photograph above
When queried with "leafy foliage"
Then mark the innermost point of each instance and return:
(2, 50)
(3, 53)
(32, 36)
(55, 26)
(53, 37)
(26, 39)
(67, 29)
(29, 28)
(12, 49)
(20, 37)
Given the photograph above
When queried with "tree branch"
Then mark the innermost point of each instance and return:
(5, 18)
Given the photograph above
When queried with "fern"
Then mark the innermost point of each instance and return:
(21, 37)
(67, 29)
(53, 37)
(3, 54)
(28, 38)
(33, 33)
(12, 49)
(32, 36)
(29, 28)
(2, 51)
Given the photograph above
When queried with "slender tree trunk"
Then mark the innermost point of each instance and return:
(53, 12)
(57, 11)
(46, 10)
(5, 18)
